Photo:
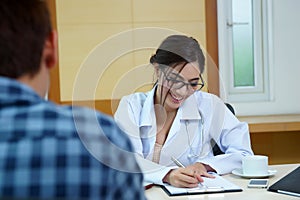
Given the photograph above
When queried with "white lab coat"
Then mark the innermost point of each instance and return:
(200, 118)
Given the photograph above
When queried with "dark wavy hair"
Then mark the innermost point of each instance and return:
(24, 27)
(178, 49)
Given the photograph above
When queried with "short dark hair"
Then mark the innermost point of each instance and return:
(24, 27)
(179, 49)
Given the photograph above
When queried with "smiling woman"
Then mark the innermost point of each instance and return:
(176, 120)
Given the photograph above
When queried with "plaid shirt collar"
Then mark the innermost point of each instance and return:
(16, 93)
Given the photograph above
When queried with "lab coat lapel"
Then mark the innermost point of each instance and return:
(147, 116)
(148, 123)
(177, 143)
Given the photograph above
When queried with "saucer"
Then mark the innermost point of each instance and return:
(239, 172)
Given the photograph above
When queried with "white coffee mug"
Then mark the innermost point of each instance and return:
(256, 165)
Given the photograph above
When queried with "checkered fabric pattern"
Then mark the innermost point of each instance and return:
(50, 151)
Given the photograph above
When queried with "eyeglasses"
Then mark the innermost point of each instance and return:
(176, 83)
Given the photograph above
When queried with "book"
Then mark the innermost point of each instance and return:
(289, 184)
(210, 185)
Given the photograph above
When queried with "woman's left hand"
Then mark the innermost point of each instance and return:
(201, 169)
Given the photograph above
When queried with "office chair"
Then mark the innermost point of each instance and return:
(216, 149)
(230, 108)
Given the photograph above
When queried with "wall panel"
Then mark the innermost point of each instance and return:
(118, 32)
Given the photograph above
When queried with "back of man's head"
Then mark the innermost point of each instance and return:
(24, 27)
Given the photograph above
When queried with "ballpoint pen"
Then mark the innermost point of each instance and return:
(177, 162)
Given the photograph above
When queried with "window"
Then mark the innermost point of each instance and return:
(244, 50)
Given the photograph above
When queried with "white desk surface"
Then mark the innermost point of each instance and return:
(156, 193)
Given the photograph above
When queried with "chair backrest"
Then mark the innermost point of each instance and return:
(216, 149)
(230, 108)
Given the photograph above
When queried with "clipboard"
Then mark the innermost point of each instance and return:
(209, 186)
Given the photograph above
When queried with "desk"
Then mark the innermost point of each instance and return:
(156, 193)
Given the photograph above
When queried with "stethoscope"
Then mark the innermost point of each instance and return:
(192, 153)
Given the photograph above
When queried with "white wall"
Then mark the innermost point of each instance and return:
(285, 70)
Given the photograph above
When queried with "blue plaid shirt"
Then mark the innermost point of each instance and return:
(50, 151)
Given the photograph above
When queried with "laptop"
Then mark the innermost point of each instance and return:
(289, 184)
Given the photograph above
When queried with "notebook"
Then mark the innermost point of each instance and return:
(216, 185)
(289, 184)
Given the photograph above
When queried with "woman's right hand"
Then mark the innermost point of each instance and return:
(183, 177)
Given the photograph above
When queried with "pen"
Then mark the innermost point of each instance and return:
(177, 162)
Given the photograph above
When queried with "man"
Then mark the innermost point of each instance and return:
(46, 150)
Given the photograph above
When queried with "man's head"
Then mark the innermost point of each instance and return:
(27, 42)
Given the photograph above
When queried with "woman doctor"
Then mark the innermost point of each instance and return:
(177, 120)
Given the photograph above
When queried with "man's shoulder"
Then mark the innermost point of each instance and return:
(93, 122)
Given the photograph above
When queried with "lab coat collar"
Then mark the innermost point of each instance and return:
(186, 112)
(189, 109)
(148, 114)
